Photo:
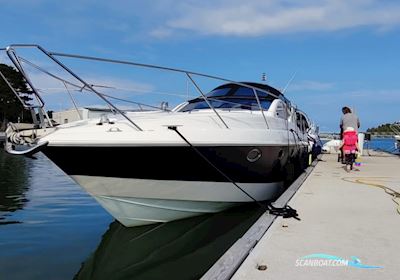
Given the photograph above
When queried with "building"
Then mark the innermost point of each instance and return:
(72, 115)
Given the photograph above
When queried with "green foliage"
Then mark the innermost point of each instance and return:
(382, 129)
(10, 107)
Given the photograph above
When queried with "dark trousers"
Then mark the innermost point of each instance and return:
(350, 158)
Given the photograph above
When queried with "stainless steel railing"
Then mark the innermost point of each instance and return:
(16, 60)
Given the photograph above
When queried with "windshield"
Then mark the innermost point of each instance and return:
(246, 104)
(231, 96)
(235, 90)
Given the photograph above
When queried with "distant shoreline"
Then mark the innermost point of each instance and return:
(327, 135)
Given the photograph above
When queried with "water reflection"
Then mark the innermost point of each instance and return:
(49, 224)
(183, 249)
(13, 184)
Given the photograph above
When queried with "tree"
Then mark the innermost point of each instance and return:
(383, 129)
(10, 107)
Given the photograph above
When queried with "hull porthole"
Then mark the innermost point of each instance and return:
(254, 155)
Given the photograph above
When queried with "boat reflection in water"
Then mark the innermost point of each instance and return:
(13, 185)
(182, 249)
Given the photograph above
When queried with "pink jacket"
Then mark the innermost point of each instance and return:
(350, 139)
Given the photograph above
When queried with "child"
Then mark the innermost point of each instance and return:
(349, 146)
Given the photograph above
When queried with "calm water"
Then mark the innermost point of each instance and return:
(48, 225)
(51, 229)
(384, 144)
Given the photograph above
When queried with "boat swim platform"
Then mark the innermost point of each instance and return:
(344, 216)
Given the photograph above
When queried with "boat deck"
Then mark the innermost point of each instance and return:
(338, 218)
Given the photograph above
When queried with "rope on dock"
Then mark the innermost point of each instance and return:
(369, 182)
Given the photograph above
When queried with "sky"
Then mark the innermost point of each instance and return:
(337, 52)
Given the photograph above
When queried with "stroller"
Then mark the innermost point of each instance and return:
(349, 147)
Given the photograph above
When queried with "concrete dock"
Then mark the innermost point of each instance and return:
(339, 217)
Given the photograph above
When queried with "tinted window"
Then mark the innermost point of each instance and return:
(219, 92)
(263, 94)
(231, 96)
(244, 91)
(302, 122)
(305, 123)
(235, 90)
(298, 120)
(227, 103)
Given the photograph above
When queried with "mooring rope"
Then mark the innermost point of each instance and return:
(367, 181)
(174, 128)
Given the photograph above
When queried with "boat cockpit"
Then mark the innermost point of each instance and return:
(234, 96)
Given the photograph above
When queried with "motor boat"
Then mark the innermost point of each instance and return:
(332, 146)
(236, 144)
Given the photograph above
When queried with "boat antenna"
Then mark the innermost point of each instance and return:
(289, 82)
(263, 77)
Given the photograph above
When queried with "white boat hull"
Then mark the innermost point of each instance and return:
(136, 202)
(143, 177)
(154, 176)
